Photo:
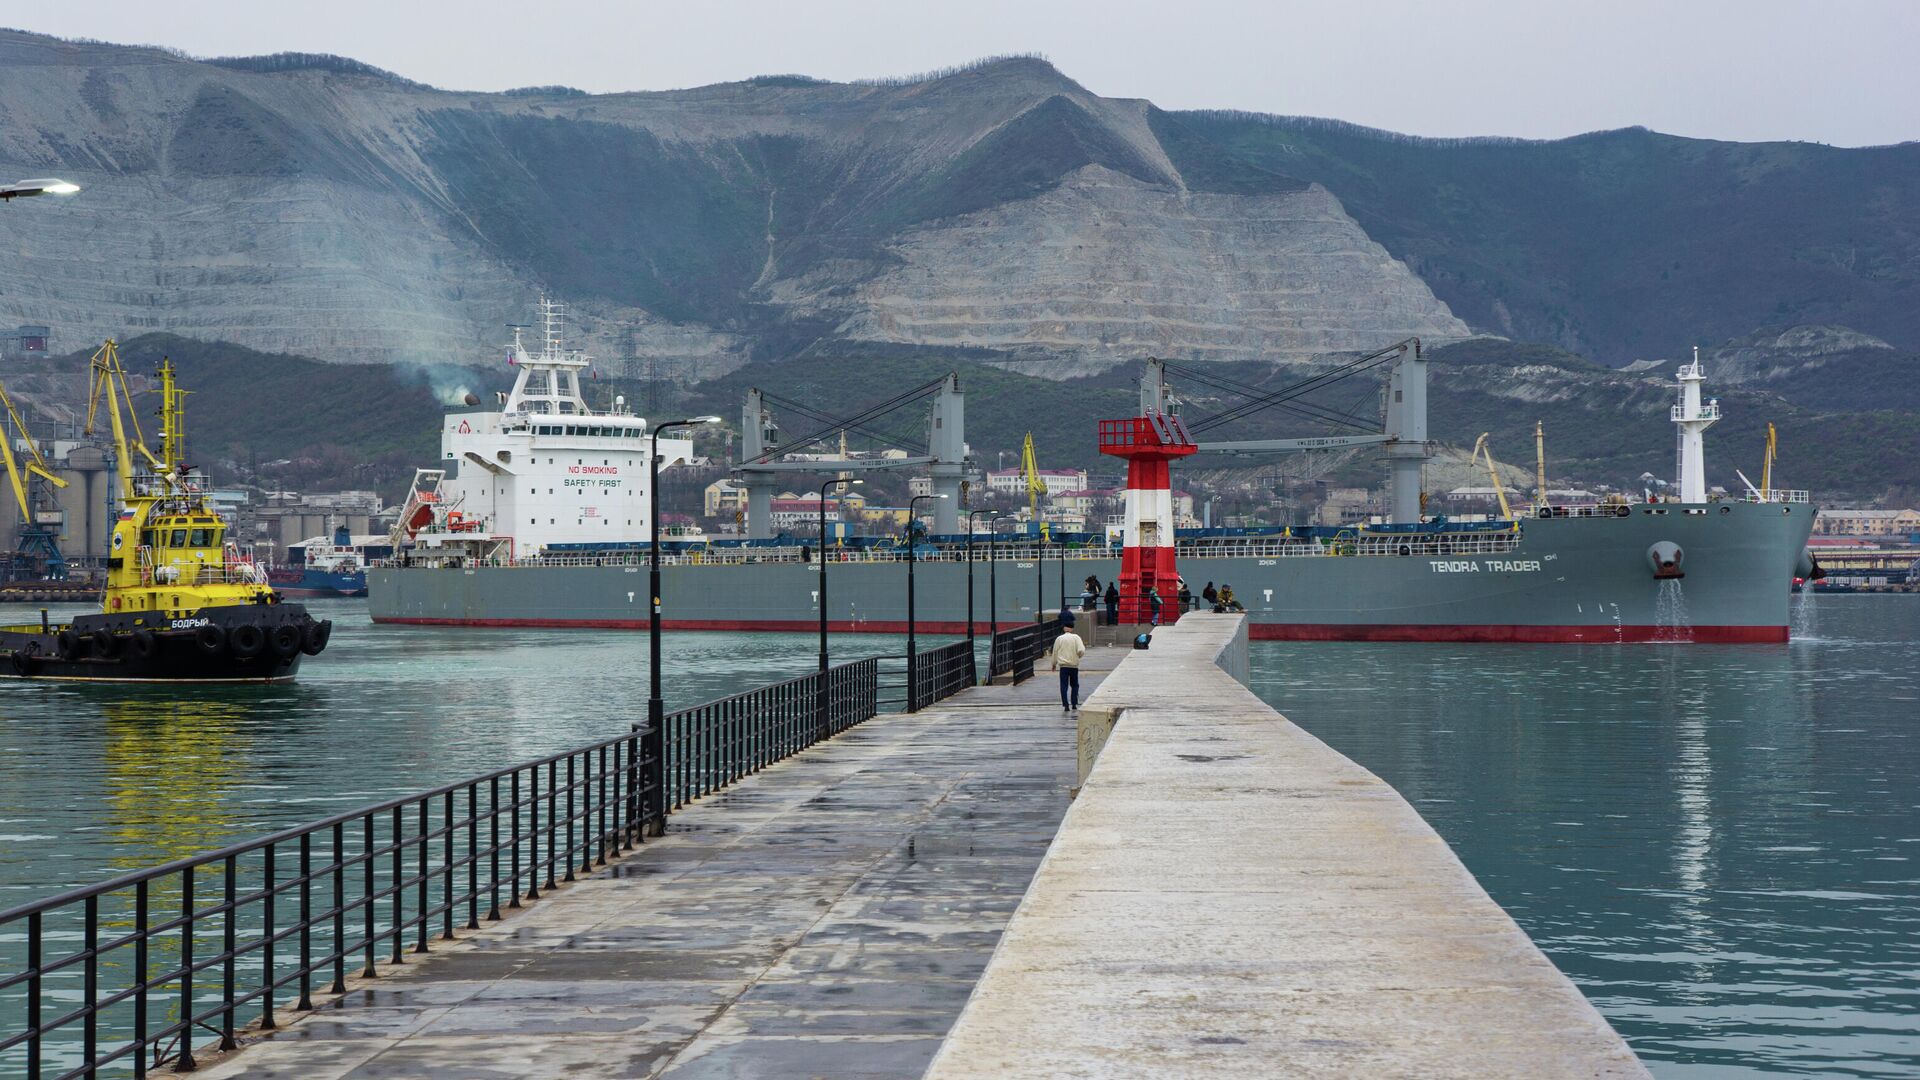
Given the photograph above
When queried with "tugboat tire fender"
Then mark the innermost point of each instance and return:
(68, 644)
(316, 637)
(246, 640)
(22, 663)
(286, 640)
(212, 639)
(142, 644)
(105, 644)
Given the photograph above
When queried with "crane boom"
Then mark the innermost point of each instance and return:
(1035, 486)
(1481, 450)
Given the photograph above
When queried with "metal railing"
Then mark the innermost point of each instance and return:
(141, 971)
(1358, 544)
(1014, 651)
(710, 746)
(940, 673)
(1776, 495)
(144, 964)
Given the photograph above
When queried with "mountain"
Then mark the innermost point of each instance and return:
(1624, 244)
(314, 205)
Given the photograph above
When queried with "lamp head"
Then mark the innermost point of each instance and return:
(704, 420)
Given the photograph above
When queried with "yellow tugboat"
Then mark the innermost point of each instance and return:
(182, 603)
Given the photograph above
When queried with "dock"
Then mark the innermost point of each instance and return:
(1177, 881)
(827, 916)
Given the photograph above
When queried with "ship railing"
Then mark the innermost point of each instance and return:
(1776, 495)
(1359, 544)
(1588, 510)
(152, 969)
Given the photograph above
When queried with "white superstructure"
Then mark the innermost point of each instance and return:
(1693, 419)
(546, 469)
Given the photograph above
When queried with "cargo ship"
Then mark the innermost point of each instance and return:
(538, 519)
(328, 567)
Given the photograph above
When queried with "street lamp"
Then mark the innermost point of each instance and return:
(823, 574)
(971, 514)
(655, 743)
(911, 622)
(43, 186)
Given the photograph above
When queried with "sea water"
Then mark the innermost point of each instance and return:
(1720, 844)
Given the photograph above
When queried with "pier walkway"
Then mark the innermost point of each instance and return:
(1228, 896)
(827, 916)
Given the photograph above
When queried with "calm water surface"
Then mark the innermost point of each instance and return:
(96, 780)
(1720, 844)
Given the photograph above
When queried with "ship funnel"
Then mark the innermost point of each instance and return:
(1665, 558)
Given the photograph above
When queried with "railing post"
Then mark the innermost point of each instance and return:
(306, 923)
(139, 981)
(653, 769)
(399, 890)
(446, 869)
(473, 856)
(90, 987)
(339, 909)
(367, 871)
(186, 1062)
(570, 817)
(229, 939)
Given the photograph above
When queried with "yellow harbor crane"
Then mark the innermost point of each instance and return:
(1482, 450)
(1035, 486)
(39, 528)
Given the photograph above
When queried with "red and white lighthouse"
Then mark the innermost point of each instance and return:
(1148, 443)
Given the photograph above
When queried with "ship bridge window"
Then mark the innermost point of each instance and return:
(178, 539)
(201, 538)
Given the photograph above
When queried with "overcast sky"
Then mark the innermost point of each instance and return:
(1838, 71)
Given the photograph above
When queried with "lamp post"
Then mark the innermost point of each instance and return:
(912, 623)
(971, 514)
(45, 186)
(821, 719)
(655, 743)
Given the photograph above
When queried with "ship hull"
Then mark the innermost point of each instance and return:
(1565, 580)
(177, 653)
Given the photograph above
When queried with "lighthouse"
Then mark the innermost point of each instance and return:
(1148, 442)
(1693, 419)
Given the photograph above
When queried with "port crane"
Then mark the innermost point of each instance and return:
(38, 550)
(1036, 487)
(1483, 452)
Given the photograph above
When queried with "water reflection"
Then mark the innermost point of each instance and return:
(1716, 842)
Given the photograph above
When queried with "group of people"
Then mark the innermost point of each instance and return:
(1220, 600)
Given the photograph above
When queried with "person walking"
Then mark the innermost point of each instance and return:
(1153, 602)
(1113, 604)
(1067, 652)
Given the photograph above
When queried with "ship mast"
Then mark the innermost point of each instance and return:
(1693, 418)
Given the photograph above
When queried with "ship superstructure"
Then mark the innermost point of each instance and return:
(542, 471)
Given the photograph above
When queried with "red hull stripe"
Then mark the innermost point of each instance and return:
(1258, 631)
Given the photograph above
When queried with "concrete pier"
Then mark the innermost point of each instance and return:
(1230, 897)
(825, 917)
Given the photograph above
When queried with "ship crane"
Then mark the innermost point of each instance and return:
(1404, 433)
(39, 544)
(763, 455)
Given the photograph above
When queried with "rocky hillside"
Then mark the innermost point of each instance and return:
(1622, 245)
(316, 206)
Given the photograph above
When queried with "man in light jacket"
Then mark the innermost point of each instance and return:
(1067, 651)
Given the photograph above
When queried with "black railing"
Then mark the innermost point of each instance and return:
(940, 673)
(145, 970)
(710, 746)
(144, 965)
(1015, 651)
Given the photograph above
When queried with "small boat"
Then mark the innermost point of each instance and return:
(182, 602)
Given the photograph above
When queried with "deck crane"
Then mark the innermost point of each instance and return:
(1402, 437)
(1482, 450)
(1035, 487)
(39, 526)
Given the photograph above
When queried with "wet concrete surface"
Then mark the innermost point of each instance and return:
(827, 917)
